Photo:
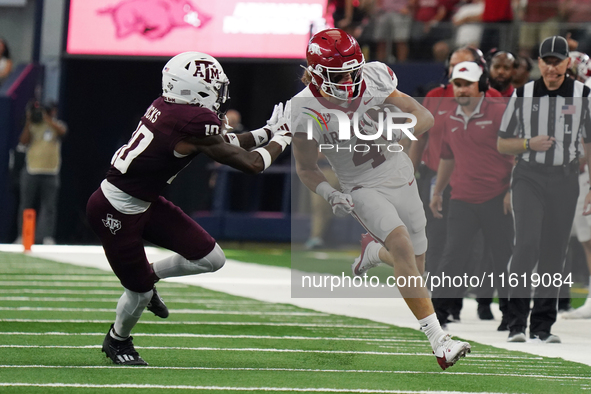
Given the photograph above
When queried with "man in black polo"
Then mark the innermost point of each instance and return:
(542, 126)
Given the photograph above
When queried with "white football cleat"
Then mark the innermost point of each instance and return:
(582, 312)
(362, 263)
(449, 351)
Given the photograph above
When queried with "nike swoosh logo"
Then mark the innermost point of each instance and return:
(454, 129)
(365, 102)
(410, 183)
(441, 112)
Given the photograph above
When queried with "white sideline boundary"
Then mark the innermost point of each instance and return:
(273, 284)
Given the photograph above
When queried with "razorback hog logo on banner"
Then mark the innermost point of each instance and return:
(154, 19)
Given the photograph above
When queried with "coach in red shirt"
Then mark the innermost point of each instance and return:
(479, 176)
(425, 153)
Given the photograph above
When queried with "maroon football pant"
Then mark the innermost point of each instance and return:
(163, 224)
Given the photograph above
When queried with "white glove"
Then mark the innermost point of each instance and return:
(280, 120)
(341, 203)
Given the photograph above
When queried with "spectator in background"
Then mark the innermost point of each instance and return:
(349, 15)
(39, 184)
(479, 176)
(487, 19)
(467, 21)
(431, 24)
(522, 71)
(5, 61)
(234, 120)
(577, 14)
(497, 18)
(540, 20)
(392, 25)
(502, 69)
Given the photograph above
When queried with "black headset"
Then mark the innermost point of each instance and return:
(483, 84)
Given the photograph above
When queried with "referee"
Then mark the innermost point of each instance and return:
(543, 125)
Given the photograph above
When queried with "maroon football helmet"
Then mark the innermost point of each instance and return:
(332, 56)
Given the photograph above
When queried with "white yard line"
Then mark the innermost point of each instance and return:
(537, 376)
(267, 350)
(199, 323)
(178, 311)
(273, 284)
(189, 335)
(230, 388)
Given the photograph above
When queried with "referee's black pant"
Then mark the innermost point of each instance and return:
(544, 200)
(463, 223)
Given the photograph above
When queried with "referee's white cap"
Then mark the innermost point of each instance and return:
(469, 71)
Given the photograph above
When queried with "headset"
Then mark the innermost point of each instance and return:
(483, 84)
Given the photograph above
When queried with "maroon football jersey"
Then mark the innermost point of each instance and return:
(145, 165)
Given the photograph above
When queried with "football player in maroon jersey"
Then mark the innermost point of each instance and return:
(128, 207)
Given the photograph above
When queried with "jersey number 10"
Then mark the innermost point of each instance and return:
(139, 141)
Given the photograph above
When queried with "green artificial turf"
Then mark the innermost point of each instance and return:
(53, 318)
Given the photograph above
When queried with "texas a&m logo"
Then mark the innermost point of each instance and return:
(112, 224)
(206, 70)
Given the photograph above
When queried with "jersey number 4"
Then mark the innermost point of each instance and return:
(373, 153)
(139, 141)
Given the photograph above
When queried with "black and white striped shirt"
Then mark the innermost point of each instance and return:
(563, 114)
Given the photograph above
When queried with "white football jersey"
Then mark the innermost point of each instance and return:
(356, 162)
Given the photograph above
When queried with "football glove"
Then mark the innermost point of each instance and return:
(341, 203)
(280, 120)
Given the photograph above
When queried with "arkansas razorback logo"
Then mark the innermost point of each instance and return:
(154, 19)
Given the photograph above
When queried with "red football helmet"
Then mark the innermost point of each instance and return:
(333, 55)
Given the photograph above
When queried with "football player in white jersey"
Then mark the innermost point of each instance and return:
(377, 179)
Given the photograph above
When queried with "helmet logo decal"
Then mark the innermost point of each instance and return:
(170, 86)
(206, 70)
(314, 49)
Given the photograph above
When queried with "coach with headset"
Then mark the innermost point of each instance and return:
(543, 125)
(479, 176)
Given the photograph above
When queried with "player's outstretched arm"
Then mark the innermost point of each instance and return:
(278, 123)
(408, 104)
(222, 152)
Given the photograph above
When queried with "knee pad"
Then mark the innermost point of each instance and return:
(213, 261)
(177, 265)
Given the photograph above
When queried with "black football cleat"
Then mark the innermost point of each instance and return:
(121, 352)
(157, 305)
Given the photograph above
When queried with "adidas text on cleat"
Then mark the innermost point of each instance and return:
(362, 263)
(449, 351)
(157, 305)
(121, 352)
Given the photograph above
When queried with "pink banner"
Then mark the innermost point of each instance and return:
(221, 28)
